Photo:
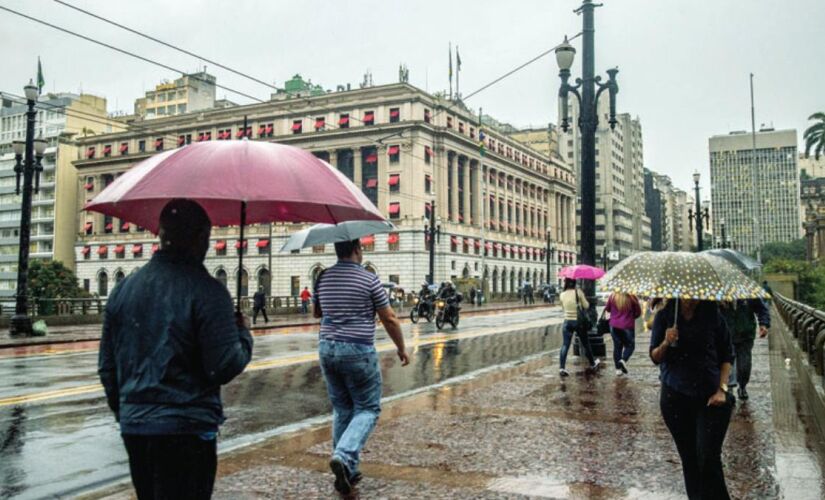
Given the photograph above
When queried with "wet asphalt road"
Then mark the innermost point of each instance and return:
(57, 436)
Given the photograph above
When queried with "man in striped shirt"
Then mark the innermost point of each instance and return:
(346, 298)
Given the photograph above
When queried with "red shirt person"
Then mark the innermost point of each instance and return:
(305, 297)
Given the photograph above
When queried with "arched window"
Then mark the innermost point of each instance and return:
(466, 272)
(316, 272)
(495, 280)
(244, 277)
(119, 276)
(220, 275)
(103, 284)
(265, 281)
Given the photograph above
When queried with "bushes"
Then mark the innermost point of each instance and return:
(50, 279)
(811, 286)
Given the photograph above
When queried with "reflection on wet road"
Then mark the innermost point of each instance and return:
(57, 435)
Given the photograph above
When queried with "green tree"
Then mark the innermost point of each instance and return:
(815, 135)
(794, 250)
(50, 279)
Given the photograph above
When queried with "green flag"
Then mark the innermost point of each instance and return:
(40, 81)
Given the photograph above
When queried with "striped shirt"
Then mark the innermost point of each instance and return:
(349, 296)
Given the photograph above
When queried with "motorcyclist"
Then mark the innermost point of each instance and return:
(425, 298)
(448, 294)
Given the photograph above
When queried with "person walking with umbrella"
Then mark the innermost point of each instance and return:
(575, 305)
(347, 299)
(623, 310)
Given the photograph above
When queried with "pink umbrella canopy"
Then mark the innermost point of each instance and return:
(581, 272)
(279, 183)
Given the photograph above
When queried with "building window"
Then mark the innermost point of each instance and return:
(449, 122)
(124, 148)
(393, 243)
(103, 252)
(319, 248)
(472, 133)
(427, 116)
(263, 246)
(453, 244)
(465, 246)
(220, 247)
(90, 152)
(320, 122)
(220, 275)
(395, 210)
(395, 115)
(124, 227)
(427, 208)
(108, 225)
(368, 243)
(107, 150)
(242, 246)
(120, 251)
(394, 153)
(159, 144)
(369, 118)
(103, 284)
(428, 154)
(137, 250)
(395, 183)
(141, 146)
(460, 127)
(343, 121)
(87, 228)
(87, 252)
(428, 184)
(297, 126)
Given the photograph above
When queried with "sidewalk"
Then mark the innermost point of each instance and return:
(91, 333)
(521, 432)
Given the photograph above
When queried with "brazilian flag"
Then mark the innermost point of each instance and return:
(40, 81)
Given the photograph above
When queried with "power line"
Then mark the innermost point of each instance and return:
(128, 53)
(167, 44)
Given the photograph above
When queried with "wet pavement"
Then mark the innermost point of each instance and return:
(57, 437)
(522, 432)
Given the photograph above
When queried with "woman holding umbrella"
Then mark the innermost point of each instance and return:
(572, 301)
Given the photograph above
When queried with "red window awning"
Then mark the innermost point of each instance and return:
(296, 126)
(137, 248)
(88, 226)
(107, 149)
(428, 151)
(239, 133)
(394, 113)
(372, 183)
(467, 241)
(86, 250)
(222, 135)
(498, 246)
(369, 117)
(460, 218)
(344, 120)
(392, 238)
(109, 226)
(262, 131)
(102, 250)
(262, 243)
(200, 138)
(90, 153)
(319, 123)
(124, 148)
(158, 143)
(394, 179)
(155, 247)
(120, 248)
(207, 136)
(395, 208)
(269, 129)
(368, 240)
(521, 250)
(506, 248)
(124, 226)
(393, 150)
(220, 245)
(89, 186)
(239, 244)
(453, 240)
(477, 243)
(488, 245)
(371, 158)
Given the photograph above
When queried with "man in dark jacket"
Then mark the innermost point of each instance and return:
(742, 318)
(170, 340)
(259, 305)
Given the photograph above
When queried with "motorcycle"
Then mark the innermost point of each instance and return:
(448, 311)
(421, 309)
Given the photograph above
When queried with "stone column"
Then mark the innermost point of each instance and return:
(453, 166)
(383, 178)
(357, 167)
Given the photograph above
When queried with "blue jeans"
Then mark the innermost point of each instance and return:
(624, 342)
(354, 386)
(570, 328)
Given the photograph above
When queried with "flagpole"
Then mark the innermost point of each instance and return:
(484, 202)
(450, 50)
(457, 72)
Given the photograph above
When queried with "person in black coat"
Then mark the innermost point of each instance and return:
(259, 305)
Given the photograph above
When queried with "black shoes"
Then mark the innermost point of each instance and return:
(743, 393)
(342, 480)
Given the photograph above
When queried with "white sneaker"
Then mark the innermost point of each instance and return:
(623, 366)
(564, 373)
(596, 364)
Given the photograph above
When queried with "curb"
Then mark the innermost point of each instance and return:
(40, 341)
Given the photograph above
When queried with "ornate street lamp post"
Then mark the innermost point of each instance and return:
(27, 163)
(548, 255)
(698, 214)
(432, 232)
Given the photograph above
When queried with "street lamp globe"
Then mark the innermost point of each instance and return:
(40, 146)
(19, 148)
(565, 53)
(696, 176)
(31, 91)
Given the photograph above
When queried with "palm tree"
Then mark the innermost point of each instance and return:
(815, 136)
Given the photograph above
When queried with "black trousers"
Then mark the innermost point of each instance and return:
(743, 350)
(172, 467)
(698, 431)
(255, 311)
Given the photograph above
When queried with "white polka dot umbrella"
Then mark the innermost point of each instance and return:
(683, 275)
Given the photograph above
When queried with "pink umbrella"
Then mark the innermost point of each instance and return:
(277, 183)
(581, 272)
(237, 183)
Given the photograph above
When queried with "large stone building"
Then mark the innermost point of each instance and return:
(543, 140)
(621, 222)
(667, 208)
(60, 118)
(193, 92)
(404, 148)
(776, 216)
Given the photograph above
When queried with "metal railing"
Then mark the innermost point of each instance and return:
(807, 325)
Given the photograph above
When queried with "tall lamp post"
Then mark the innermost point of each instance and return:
(585, 90)
(431, 233)
(27, 157)
(550, 250)
(724, 240)
(698, 214)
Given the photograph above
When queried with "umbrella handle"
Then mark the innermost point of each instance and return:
(240, 258)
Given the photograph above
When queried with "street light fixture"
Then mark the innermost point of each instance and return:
(698, 214)
(724, 239)
(432, 234)
(27, 166)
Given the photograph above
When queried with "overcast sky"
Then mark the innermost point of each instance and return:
(684, 64)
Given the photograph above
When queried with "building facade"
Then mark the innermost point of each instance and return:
(193, 92)
(60, 118)
(811, 167)
(621, 222)
(775, 214)
(405, 148)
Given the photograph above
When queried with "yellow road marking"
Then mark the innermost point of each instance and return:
(265, 364)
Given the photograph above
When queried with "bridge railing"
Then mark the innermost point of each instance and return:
(807, 325)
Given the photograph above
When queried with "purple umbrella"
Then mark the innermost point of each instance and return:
(581, 272)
